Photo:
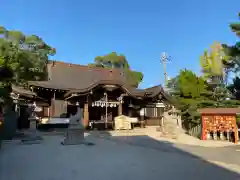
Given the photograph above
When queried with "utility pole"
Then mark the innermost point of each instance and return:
(164, 59)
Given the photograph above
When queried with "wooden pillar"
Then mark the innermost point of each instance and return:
(203, 133)
(52, 107)
(86, 114)
(235, 131)
(52, 111)
(120, 109)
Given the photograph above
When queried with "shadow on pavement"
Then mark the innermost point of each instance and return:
(203, 168)
(174, 162)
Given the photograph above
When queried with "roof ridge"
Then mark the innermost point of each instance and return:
(83, 66)
(153, 87)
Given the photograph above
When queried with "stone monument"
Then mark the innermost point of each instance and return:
(75, 131)
(32, 135)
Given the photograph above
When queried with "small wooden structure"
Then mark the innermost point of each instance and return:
(219, 121)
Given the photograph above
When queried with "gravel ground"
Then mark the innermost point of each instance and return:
(106, 160)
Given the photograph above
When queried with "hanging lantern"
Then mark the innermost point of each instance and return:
(111, 105)
(92, 104)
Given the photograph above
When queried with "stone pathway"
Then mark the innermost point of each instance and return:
(181, 138)
(105, 160)
(232, 167)
(225, 154)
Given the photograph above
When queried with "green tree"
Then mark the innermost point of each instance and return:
(236, 26)
(234, 51)
(172, 85)
(234, 64)
(113, 60)
(190, 93)
(214, 64)
(24, 55)
(235, 88)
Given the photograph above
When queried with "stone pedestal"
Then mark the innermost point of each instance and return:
(75, 131)
(74, 136)
(32, 135)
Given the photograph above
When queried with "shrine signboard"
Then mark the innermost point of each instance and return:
(219, 124)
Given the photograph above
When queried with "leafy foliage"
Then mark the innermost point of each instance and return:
(25, 56)
(191, 92)
(214, 64)
(235, 88)
(189, 96)
(236, 26)
(233, 53)
(113, 60)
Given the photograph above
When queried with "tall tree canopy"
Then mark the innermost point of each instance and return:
(234, 51)
(24, 55)
(214, 64)
(236, 26)
(234, 64)
(113, 60)
(189, 93)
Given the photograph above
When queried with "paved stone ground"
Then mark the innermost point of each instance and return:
(108, 160)
(227, 154)
(179, 138)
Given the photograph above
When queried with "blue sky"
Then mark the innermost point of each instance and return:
(140, 29)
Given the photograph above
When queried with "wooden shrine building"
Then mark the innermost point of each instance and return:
(102, 94)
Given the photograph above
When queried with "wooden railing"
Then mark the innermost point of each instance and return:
(195, 131)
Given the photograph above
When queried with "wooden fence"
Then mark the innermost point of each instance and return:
(195, 131)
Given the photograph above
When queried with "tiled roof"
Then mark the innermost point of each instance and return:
(219, 111)
(77, 78)
(22, 91)
(73, 76)
(69, 76)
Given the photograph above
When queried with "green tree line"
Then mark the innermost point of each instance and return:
(215, 87)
